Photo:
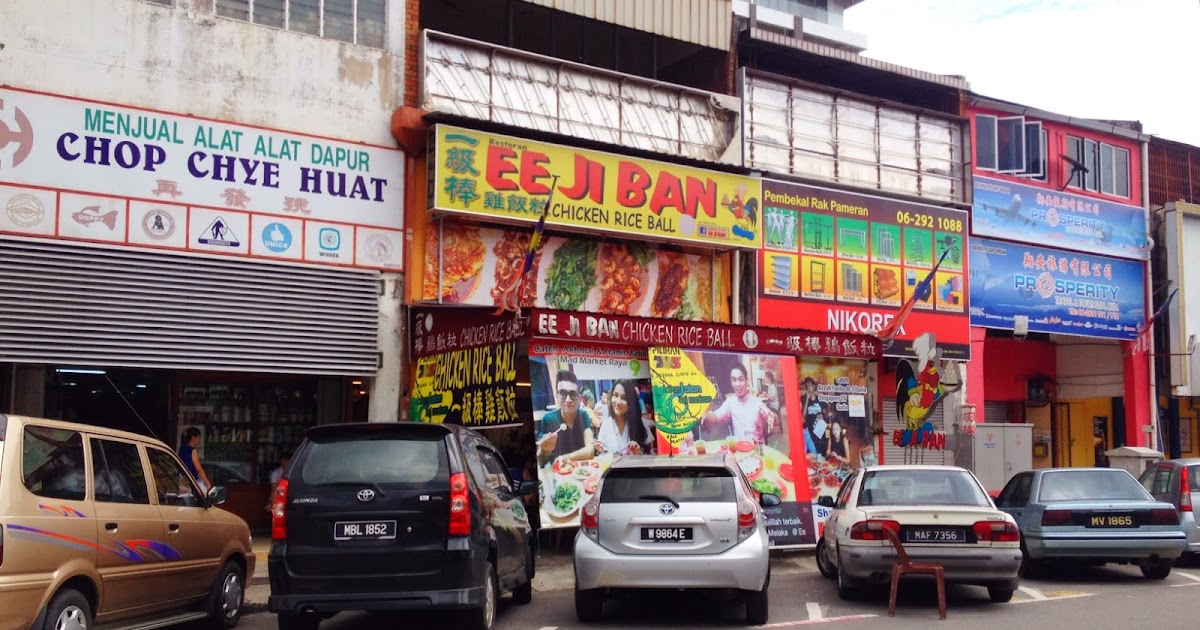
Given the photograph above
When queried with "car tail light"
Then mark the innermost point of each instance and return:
(1185, 491)
(873, 529)
(279, 511)
(996, 531)
(1164, 517)
(747, 519)
(590, 521)
(460, 506)
(1058, 517)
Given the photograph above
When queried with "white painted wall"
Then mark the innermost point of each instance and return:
(185, 59)
(1182, 223)
(1089, 368)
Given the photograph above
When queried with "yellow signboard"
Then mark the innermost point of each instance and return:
(682, 393)
(510, 179)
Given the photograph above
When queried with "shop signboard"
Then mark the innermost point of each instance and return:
(1060, 291)
(1019, 212)
(483, 266)
(465, 368)
(123, 176)
(846, 262)
(509, 179)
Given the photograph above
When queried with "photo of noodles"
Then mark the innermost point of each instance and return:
(462, 255)
(622, 276)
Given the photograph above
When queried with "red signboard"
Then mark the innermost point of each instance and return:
(436, 330)
(846, 263)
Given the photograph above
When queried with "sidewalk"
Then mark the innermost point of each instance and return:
(554, 571)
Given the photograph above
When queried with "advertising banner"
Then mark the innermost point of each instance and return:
(847, 262)
(465, 367)
(477, 265)
(508, 178)
(1061, 292)
(1018, 212)
(591, 403)
(103, 173)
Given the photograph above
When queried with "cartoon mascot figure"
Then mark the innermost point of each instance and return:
(921, 387)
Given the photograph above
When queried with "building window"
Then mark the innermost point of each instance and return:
(1098, 167)
(354, 21)
(1010, 144)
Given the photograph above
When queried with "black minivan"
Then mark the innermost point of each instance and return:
(397, 516)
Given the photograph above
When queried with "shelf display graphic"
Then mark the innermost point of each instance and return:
(857, 258)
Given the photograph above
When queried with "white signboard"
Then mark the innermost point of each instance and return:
(104, 173)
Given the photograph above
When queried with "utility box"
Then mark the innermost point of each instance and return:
(996, 451)
(1135, 459)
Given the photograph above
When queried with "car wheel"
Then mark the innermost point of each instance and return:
(1000, 594)
(1031, 568)
(847, 589)
(523, 594)
(1156, 569)
(757, 608)
(292, 621)
(589, 604)
(483, 617)
(227, 596)
(69, 610)
(826, 567)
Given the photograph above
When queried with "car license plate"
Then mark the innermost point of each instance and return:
(935, 535)
(666, 534)
(1111, 520)
(364, 530)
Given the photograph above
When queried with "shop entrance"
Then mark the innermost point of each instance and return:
(137, 401)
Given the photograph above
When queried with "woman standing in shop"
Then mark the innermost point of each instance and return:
(190, 454)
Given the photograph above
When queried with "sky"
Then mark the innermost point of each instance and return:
(1107, 59)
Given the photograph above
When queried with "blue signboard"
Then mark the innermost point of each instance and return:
(1018, 212)
(1061, 292)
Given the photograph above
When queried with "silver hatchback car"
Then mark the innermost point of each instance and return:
(673, 522)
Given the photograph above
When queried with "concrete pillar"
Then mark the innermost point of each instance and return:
(29, 390)
(387, 384)
(1137, 396)
(974, 378)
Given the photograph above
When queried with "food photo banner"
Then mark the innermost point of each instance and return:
(483, 266)
(1061, 292)
(110, 174)
(509, 178)
(839, 261)
(1018, 212)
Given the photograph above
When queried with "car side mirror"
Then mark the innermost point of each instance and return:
(218, 495)
(526, 487)
(769, 500)
(826, 501)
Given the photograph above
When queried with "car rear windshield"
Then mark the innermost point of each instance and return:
(1091, 485)
(375, 458)
(682, 484)
(1193, 471)
(921, 487)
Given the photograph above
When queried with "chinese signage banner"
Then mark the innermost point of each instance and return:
(483, 266)
(1061, 292)
(1018, 212)
(591, 404)
(107, 174)
(508, 178)
(845, 262)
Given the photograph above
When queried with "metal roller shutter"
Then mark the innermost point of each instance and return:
(995, 411)
(893, 454)
(81, 305)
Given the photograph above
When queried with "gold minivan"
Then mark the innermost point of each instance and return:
(100, 526)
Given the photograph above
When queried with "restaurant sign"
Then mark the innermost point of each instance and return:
(508, 178)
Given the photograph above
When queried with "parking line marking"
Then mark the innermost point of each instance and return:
(811, 622)
(1032, 592)
(1189, 576)
(550, 628)
(814, 611)
(1051, 599)
(1185, 584)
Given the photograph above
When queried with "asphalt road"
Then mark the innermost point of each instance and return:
(1112, 596)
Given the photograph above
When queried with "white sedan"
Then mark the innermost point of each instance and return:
(941, 514)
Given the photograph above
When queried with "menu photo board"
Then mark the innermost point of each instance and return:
(857, 259)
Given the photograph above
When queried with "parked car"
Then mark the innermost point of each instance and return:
(941, 514)
(106, 527)
(397, 516)
(682, 522)
(1093, 515)
(1176, 481)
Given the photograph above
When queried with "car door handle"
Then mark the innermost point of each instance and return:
(112, 527)
(173, 528)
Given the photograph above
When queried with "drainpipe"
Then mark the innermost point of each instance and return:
(1153, 437)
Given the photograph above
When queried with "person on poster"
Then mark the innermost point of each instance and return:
(837, 443)
(748, 416)
(810, 405)
(566, 432)
(623, 433)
